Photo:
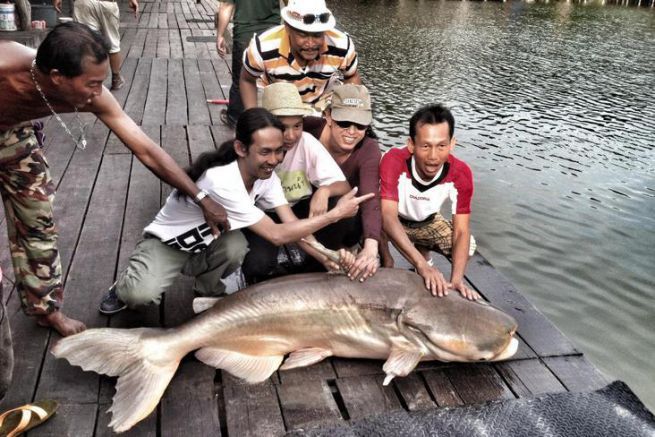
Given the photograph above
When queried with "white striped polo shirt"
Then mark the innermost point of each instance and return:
(269, 58)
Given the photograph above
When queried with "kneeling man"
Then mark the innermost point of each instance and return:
(415, 181)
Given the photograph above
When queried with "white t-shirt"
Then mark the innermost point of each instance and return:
(306, 164)
(181, 223)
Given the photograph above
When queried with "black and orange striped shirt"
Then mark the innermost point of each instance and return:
(269, 58)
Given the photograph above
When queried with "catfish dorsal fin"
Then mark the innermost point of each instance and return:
(400, 363)
(201, 304)
(251, 368)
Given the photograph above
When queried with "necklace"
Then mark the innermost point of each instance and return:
(80, 142)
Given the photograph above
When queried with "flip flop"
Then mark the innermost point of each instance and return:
(19, 420)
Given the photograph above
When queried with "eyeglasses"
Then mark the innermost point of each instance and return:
(311, 18)
(347, 124)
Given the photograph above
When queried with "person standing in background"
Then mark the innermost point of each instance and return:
(103, 16)
(250, 17)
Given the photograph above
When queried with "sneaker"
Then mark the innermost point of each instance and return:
(117, 82)
(110, 303)
(225, 119)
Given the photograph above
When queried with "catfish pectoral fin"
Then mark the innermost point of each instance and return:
(251, 368)
(305, 357)
(400, 363)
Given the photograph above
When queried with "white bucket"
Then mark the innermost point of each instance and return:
(7, 17)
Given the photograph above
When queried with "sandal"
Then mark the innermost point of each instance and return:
(26, 417)
(226, 119)
(117, 82)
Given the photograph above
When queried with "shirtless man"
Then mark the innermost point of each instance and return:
(64, 75)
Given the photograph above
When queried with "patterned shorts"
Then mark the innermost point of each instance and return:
(435, 233)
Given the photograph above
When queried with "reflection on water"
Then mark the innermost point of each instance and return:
(556, 116)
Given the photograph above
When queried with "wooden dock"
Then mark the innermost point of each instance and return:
(105, 197)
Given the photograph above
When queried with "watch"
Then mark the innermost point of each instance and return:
(201, 195)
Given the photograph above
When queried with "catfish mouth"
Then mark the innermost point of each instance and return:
(464, 352)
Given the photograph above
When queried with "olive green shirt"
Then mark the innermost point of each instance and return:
(254, 16)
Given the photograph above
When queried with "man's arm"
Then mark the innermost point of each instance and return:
(283, 233)
(248, 89)
(434, 280)
(225, 11)
(460, 255)
(319, 203)
(354, 79)
(155, 158)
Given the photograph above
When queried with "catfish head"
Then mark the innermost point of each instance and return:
(453, 328)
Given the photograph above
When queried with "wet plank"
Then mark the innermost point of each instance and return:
(176, 110)
(529, 378)
(365, 395)
(414, 392)
(71, 420)
(251, 410)
(307, 403)
(442, 388)
(190, 396)
(155, 104)
(477, 383)
(576, 373)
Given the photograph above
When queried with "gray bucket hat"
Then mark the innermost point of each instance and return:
(351, 103)
(282, 99)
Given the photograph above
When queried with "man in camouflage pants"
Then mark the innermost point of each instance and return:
(64, 75)
(27, 193)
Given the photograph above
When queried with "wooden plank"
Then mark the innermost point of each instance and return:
(476, 383)
(190, 395)
(163, 48)
(196, 100)
(94, 271)
(162, 20)
(317, 372)
(176, 111)
(414, 392)
(71, 420)
(146, 428)
(174, 141)
(307, 403)
(175, 44)
(29, 341)
(136, 49)
(223, 75)
(200, 140)
(128, 70)
(576, 373)
(538, 332)
(138, 91)
(212, 89)
(251, 410)
(442, 389)
(150, 47)
(155, 107)
(529, 378)
(365, 395)
(188, 47)
(345, 367)
(221, 133)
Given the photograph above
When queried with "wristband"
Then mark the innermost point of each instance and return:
(201, 195)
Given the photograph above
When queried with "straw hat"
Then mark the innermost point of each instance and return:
(308, 15)
(282, 99)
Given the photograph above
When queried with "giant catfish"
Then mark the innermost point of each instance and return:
(310, 316)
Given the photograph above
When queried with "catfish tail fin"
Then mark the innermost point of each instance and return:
(139, 357)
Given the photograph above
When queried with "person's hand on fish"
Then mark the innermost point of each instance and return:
(434, 279)
(319, 203)
(346, 260)
(348, 205)
(465, 291)
(365, 265)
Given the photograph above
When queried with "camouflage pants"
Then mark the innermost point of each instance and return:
(434, 234)
(6, 349)
(27, 193)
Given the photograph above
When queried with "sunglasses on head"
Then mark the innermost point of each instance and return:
(347, 124)
(311, 18)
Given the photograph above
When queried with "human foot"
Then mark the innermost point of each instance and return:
(64, 325)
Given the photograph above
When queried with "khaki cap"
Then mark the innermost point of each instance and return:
(351, 103)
